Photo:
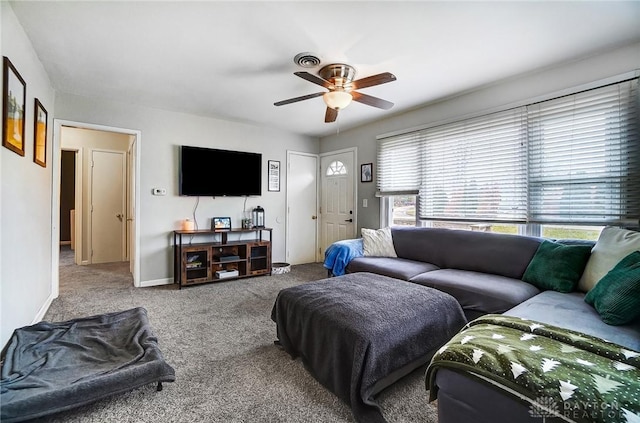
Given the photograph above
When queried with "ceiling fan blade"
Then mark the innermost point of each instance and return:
(331, 115)
(370, 81)
(296, 99)
(315, 79)
(371, 100)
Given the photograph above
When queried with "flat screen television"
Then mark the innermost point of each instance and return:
(210, 172)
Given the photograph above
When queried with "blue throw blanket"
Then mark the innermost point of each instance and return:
(340, 253)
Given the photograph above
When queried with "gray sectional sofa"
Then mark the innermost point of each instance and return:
(484, 272)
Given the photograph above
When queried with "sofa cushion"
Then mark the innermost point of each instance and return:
(478, 291)
(556, 266)
(378, 242)
(613, 245)
(398, 268)
(499, 254)
(616, 297)
(571, 312)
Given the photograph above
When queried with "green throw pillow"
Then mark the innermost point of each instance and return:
(616, 297)
(557, 266)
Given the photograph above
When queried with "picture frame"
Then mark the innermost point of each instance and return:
(366, 172)
(14, 98)
(40, 121)
(273, 169)
(220, 223)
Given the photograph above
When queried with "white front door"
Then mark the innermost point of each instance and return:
(337, 198)
(302, 208)
(108, 206)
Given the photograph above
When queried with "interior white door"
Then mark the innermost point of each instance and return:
(337, 198)
(108, 206)
(302, 208)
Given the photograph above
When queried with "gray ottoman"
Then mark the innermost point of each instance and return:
(361, 332)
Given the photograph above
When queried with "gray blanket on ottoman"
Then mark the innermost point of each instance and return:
(51, 367)
(360, 332)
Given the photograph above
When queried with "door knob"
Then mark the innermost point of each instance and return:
(119, 216)
(349, 220)
(314, 217)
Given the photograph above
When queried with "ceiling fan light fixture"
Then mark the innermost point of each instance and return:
(337, 100)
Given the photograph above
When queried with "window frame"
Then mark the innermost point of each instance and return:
(527, 227)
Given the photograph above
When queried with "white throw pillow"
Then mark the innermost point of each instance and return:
(613, 245)
(378, 242)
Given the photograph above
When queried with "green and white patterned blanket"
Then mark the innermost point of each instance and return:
(562, 373)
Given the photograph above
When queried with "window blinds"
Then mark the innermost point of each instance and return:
(475, 170)
(574, 159)
(584, 157)
(400, 165)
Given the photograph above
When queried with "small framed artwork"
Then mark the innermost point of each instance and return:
(366, 172)
(14, 97)
(274, 175)
(220, 223)
(40, 134)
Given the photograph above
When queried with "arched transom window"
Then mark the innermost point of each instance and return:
(336, 168)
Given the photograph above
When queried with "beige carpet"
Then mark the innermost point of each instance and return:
(219, 339)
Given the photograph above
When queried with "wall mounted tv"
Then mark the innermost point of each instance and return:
(209, 172)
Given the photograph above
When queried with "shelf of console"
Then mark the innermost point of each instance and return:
(201, 261)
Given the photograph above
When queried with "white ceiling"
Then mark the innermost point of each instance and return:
(234, 59)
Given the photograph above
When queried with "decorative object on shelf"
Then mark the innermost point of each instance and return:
(220, 223)
(258, 217)
(246, 223)
(188, 225)
(280, 268)
(14, 98)
(39, 134)
(366, 172)
(274, 175)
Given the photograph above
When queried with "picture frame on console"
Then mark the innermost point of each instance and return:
(220, 223)
(14, 98)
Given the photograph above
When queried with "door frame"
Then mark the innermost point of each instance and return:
(354, 181)
(55, 197)
(288, 201)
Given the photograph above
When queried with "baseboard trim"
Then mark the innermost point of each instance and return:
(43, 310)
(156, 282)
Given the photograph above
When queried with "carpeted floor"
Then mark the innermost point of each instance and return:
(219, 339)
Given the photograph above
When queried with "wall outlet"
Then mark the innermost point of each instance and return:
(365, 202)
(159, 191)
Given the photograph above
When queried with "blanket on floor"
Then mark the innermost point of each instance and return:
(360, 332)
(51, 367)
(561, 373)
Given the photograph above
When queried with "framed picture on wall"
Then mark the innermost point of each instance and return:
(40, 134)
(14, 97)
(366, 172)
(274, 175)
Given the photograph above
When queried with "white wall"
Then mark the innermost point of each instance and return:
(25, 192)
(494, 96)
(162, 134)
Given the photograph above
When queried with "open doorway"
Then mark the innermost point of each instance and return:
(67, 207)
(98, 184)
(95, 205)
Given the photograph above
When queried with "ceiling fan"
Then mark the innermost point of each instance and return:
(338, 79)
